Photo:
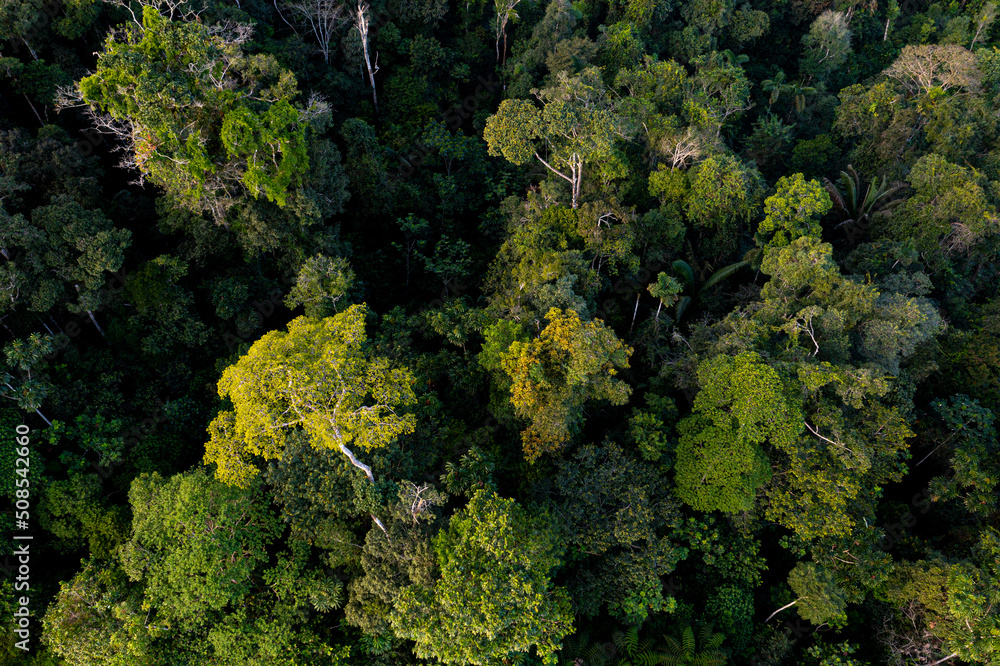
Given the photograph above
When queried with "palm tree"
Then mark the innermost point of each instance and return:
(775, 86)
(860, 209)
(795, 91)
(685, 652)
(686, 273)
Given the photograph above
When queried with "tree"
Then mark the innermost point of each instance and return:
(972, 442)
(494, 597)
(541, 264)
(718, 91)
(26, 356)
(665, 290)
(402, 556)
(76, 513)
(617, 517)
(669, 291)
(156, 312)
(196, 115)
(65, 252)
(320, 376)
(361, 22)
(324, 18)
(725, 195)
(796, 91)
(792, 211)
(195, 544)
(576, 124)
(741, 406)
(321, 282)
(505, 12)
(828, 44)
(818, 597)
(919, 69)
(948, 213)
(451, 261)
(97, 618)
(860, 209)
(554, 374)
(956, 603)
(985, 17)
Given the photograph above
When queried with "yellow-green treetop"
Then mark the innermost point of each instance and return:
(321, 377)
(554, 374)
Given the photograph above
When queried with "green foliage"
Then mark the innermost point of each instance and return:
(827, 45)
(97, 618)
(617, 516)
(77, 514)
(820, 600)
(292, 388)
(725, 195)
(494, 597)
(65, 252)
(577, 125)
(731, 609)
(705, 650)
(196, 136)
(552, 376)
(741, 405)
(793, 211)
(972, 440)
(188, 574)
(321, 282)
(947, 215)
(819, 358)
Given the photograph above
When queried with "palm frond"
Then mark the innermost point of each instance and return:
(684, 269)
(850, 190)
(723, 273)
(682, 306)
(835, 196)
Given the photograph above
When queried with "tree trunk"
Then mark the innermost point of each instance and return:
(362, 23)
(96, 325)
(43, 418)
(779, 610)
(368, 472)
(357, 463)
(635, 312)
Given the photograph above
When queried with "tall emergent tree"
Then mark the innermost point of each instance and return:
(576, 126)
(320, 377)
(198, 116)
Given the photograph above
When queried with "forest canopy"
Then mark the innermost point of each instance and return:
(533, 332)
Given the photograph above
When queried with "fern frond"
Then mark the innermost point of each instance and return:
(687, 638)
